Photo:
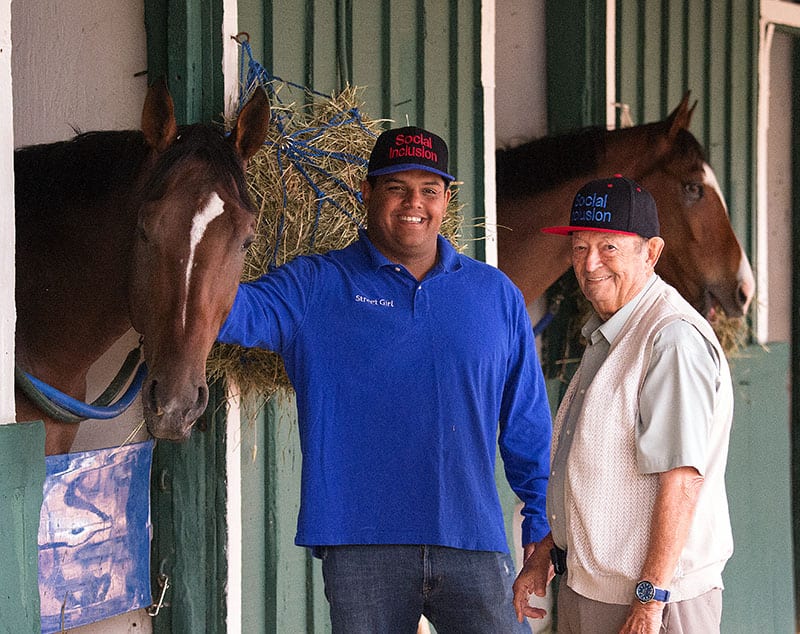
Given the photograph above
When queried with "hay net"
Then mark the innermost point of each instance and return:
(305, 184)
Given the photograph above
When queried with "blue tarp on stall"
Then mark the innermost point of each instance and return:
(94, 535)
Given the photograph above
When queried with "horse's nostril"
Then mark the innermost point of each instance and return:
(202, 397)
(745, 295)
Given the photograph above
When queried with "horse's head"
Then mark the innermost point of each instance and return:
(702, 258)
(195, 223)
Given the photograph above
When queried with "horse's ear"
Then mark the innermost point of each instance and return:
(158, 117)
(680, 118)
(251, 126)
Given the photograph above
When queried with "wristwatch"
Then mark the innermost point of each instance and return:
(646, 592)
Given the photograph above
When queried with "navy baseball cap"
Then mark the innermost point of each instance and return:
(612, 205)
(409, 148)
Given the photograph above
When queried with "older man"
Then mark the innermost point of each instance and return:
(636, 499)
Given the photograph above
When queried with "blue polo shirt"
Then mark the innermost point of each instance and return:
(401, 388)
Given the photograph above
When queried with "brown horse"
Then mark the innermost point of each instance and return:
(536, 183)
(132, 228)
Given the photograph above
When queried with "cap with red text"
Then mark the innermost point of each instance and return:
(409, 148)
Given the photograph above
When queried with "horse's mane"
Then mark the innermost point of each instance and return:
(545, 163)
(83, 169)
(92, 166)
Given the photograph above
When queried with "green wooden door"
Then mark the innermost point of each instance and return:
(188, 491)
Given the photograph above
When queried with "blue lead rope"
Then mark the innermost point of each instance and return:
(83, 410)
(547, 318)
(543, 323)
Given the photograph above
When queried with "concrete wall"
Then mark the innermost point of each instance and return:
(7, 213)
(521, 88)
(73, 66)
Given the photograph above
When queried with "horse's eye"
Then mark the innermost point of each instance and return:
(141, 234)
(247, 243)
(694, 191)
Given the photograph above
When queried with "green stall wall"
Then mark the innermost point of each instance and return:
(759, 588)
(188, 498)
(22, 467)
(414, 62)
(283, 583)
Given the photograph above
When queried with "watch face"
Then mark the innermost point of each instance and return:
(645, 591)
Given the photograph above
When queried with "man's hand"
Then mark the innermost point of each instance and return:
(644, 618)
(536, 573)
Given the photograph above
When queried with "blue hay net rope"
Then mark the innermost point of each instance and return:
(299, 149)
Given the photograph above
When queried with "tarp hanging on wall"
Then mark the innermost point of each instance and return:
(94, 536)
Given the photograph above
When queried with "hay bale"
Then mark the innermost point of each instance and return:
(305, 183)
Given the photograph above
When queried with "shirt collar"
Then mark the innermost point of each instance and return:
(610, 328)
(449, 259)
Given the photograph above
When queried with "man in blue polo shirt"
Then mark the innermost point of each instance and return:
(410, 362)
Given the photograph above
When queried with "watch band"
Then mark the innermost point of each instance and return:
(645, 592)
(660, 595)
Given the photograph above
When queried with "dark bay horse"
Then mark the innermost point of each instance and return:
(145, 229)
(536, 182)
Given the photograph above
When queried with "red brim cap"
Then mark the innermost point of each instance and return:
(612, 205)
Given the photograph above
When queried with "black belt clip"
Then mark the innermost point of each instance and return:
(559, 559)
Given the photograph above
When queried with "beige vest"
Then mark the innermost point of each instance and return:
(609, 504)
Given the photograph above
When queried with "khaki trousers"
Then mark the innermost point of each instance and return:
(579, 615)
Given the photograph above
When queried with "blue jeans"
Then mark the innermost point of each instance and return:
(383, 589)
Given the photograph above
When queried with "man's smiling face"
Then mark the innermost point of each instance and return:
(404, 214)
(612, 268)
